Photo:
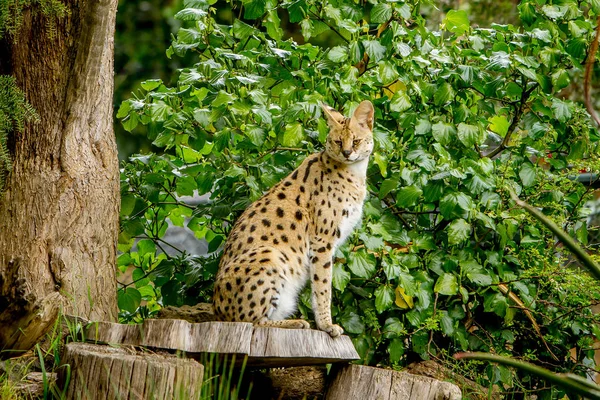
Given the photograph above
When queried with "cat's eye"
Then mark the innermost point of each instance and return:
(339, 143)
(356, 142)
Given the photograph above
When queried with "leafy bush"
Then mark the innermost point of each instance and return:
(443, 260)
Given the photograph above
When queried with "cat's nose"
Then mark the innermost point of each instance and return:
(346, 153)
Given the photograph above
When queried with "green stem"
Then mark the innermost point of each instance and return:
(567, 240)
(574, 384)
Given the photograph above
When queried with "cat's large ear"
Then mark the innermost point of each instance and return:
(364, 114)
(334, 118)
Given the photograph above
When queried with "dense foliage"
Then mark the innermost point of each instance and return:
(11, 15)
(443, 261)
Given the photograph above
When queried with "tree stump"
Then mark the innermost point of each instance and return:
(105, 373)
(358, 382)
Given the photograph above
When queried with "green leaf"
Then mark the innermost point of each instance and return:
(384, 298)
(562, 109)
(381, 161)
(351, 322)
(457, 21)
(130, 122)
(400, 102)
(446, 285)
(560, 79)
(129, 299)
(273, 25)
(393, 328)
(381, 13)
(458, 231)
(374, 49)
(455, 205)
(254, 9)
(554, 12)
(443, 94)
(186, 186)
(242, 30)
(362, 264)
(469, 135)
(338, 54)
(149, 85)
(146, 246)
(293, 135)
(495, 302)
(408, 196)
(396, 349)
(340, 278)
(475, 273)
(446, 323)
(422, 127)
(499, 124)
(387, 186)
(527, 174)
(190, 14)
(443, 132)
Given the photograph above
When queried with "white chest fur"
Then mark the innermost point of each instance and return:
(349, 222)
(354, 210)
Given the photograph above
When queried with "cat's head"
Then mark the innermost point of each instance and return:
(350, 139)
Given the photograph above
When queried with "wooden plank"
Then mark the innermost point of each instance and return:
(222, 337)
(289, 347)
(264, 346)
(110, 332)
(358, 382)
(172, 334)
(204, 337)
(103, 372)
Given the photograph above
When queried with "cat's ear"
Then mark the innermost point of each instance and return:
(334, 118)
(364, 114)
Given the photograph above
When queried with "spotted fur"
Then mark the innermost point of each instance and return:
(289, 236)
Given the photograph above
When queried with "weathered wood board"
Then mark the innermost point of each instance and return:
(106, 373)
(359, 382)
(263, 346)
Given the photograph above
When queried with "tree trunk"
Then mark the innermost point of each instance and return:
(59, 213)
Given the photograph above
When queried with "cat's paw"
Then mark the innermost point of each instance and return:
(333, 330)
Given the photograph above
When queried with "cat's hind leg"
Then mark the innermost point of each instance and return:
(284, 323)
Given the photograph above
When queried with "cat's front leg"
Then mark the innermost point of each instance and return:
(321, 275)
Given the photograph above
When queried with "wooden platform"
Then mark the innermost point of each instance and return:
(265, 347)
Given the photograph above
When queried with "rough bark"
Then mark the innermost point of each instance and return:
(106, 373)
(59, 214)
(358, 382)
